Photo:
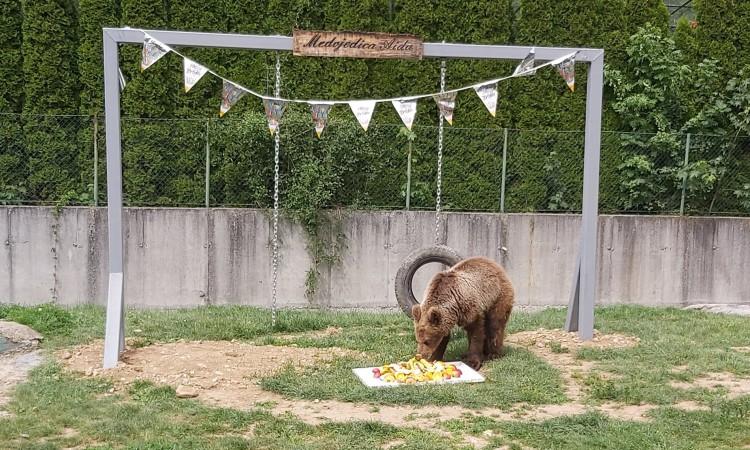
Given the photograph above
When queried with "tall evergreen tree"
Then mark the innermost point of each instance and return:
(545, 166)
(51, 88)
(638, 13)
(723, 33)
(151, 93)
(93, 16)
(12, 167)
(685, 37)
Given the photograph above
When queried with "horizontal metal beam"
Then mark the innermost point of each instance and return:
(260, 42)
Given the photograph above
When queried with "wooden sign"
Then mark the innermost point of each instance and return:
(356, 45)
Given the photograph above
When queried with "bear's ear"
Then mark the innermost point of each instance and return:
(434, 317)
(416, 312)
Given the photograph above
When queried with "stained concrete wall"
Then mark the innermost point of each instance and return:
(191, 257)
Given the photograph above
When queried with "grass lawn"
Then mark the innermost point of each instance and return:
(57, 410)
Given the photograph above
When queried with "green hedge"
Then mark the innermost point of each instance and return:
(164, 157)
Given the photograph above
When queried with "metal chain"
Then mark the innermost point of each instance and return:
(277, 142)
(438, 198)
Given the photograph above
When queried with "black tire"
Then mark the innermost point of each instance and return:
(405, 275)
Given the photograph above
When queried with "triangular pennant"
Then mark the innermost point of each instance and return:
(363, 110)
(446, 102)
(153, 50)
(320, 115)
(230, 94)
(407, 110)
(193, 72)
(274, 110)
(526, 67)
(567, 69)
(488, 94)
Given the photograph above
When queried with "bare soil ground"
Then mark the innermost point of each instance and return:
(226, 374)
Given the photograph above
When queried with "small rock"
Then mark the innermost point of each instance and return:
(24, 435)
(66, 355)
(316, 400)
(111, 390)
(89, 372)
(487, 433)
(183, 391)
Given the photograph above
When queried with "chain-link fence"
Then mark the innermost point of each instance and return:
(229, 162)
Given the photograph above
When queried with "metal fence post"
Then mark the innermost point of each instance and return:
(96, 160)
(208, 166)
(502, 178)
(684, 175)
(408, 179)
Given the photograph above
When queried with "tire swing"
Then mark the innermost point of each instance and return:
(436, 253)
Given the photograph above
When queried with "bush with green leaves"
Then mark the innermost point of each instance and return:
(660, 97)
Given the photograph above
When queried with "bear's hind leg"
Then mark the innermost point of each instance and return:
(495, 323)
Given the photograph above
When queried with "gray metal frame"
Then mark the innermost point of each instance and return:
(581, 308)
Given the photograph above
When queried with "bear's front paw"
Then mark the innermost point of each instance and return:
(472, 360)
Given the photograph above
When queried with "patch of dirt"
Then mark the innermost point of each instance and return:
(15, 364)
(219, 366)
(330, 331)
(226, 374)
(735, 386)
(475, 441)
(394, 443)
(689, 405)
(558, 348)
(571, 341)
(741, 349)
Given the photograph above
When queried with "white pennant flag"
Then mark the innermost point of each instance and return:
(320, 116)
(446, 102)
(152, 51)
(230, 94)
(526, 67)
(488, 94)
(407, 110)
(193, 72)
(274, 110)
(363, 110)
(566, 67)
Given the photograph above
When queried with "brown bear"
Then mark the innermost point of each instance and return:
(475, 294)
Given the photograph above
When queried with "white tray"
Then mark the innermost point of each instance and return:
(468, 375)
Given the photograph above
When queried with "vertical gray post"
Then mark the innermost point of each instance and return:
(684, 175)
(208, 167)
(502, 177)
(408, 179)
(571, 322)
(582, 301)
(96, 160)
(115, 327)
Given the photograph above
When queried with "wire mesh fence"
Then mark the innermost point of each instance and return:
(229, 162)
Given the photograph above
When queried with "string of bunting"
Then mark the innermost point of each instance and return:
(406, 107)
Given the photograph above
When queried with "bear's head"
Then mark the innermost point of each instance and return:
(430, 327)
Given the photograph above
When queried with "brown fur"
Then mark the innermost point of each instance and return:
(475, 294)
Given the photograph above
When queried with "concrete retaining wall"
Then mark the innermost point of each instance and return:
(191, 257)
